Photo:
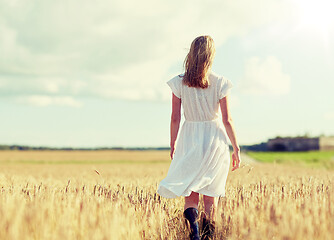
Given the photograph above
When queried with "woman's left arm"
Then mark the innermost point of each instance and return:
(174, 123)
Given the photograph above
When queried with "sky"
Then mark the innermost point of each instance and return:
(81, 73)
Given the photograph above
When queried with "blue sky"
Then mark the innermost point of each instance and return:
(92, 74)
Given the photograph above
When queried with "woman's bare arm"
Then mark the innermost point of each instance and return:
(228, 123)
(175, 122)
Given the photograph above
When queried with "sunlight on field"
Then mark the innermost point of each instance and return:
(78, 157)
(72, 201)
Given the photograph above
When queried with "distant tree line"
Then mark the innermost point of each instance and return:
(256, 147)
(261, 147)
(27, 148)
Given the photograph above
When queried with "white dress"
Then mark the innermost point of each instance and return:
(201, 158)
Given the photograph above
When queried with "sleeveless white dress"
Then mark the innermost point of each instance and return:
(201, 159)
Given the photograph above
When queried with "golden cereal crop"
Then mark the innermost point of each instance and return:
(67, 199)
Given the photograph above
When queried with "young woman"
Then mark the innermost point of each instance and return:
(200, 156)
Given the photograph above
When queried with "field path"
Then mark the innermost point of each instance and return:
(246, 159)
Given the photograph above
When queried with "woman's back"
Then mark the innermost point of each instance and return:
(201, 104)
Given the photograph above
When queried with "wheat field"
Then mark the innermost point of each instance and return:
(112, 195)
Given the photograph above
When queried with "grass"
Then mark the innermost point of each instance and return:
(311, 159)
(72, 201)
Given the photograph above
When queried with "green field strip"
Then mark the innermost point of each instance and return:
(311, 158)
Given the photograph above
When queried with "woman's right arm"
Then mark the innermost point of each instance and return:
(228, 123)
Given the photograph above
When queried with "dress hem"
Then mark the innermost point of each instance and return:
(167, 193)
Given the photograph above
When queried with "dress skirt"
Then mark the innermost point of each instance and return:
(201, 161)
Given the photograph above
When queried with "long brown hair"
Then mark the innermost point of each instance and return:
(198, 62)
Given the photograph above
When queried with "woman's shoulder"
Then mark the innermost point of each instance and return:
(180, 76)
(176, 79)
(214, 75)
(217, 77)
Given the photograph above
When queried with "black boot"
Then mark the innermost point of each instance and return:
(208, 229)
(191, 214)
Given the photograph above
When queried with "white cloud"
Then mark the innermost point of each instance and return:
(111, 49)
(42, 101)
(329, 116)
(265, 77)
